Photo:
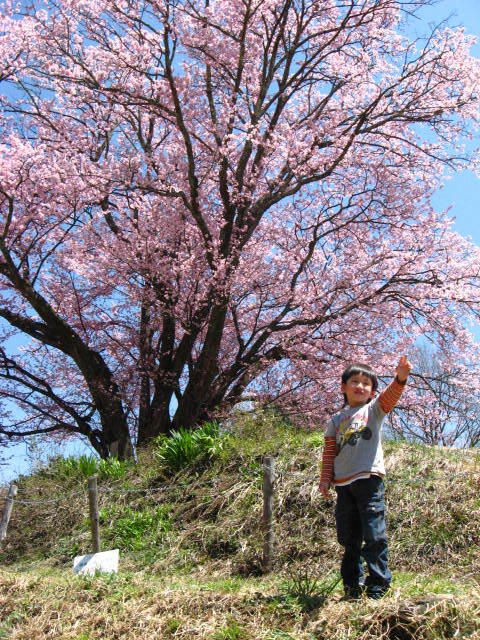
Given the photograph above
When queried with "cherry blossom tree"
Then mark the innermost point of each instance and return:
(204, 201)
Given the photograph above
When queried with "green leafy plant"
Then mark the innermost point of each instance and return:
(112, 469)
(71, 467)
(183, 446)
(85, 466)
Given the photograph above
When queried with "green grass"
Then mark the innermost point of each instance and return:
(254, 436)
(135, 530)
(232, 584)
(411, 584)
(277, 634)
(172, 626)
(231, 631)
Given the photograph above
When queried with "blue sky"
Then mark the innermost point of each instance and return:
(461, 192)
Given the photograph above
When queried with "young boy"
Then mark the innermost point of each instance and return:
(353, 462)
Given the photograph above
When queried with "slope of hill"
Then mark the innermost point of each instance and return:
(190, 546)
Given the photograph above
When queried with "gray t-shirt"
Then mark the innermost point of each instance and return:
(357, 434)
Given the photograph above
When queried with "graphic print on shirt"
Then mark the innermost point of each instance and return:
(352, 428)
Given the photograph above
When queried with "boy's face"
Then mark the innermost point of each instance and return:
(358, 389)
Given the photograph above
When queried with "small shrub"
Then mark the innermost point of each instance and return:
(184, 446)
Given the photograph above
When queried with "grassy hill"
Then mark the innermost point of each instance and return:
(190, 546)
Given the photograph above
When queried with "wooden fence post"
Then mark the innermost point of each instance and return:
(93, 504)
(7, 511)
(268, 484)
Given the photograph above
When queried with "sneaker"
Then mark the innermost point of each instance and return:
(378, 593)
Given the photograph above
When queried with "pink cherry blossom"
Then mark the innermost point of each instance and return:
(202, 202)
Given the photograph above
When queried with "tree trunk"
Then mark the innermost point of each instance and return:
(197, 393)
(157, 420)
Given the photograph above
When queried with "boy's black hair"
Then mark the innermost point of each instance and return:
(355, 368)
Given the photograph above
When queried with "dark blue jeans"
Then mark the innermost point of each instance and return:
(360, 517)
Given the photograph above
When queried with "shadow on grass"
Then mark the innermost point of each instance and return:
(306, 603)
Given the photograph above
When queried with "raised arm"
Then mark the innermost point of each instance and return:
(391, 395)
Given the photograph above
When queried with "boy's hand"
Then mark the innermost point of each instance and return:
(403, 369)
(325, 489)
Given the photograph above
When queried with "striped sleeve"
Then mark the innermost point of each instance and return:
(329, 452)
(391, 395)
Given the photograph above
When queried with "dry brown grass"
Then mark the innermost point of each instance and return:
(68, 608)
